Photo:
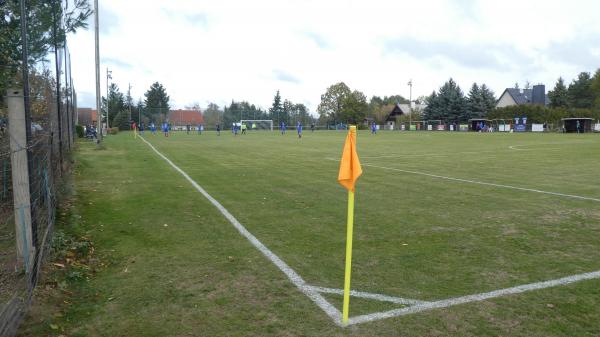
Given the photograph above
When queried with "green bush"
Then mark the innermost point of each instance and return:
(79, 130)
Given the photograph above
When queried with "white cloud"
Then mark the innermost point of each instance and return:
(246, 50)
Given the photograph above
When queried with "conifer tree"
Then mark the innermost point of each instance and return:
(559, 97)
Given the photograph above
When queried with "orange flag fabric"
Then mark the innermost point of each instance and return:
(350, 168)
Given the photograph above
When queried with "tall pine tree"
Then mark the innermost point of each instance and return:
(580, 92)
(488, 97)
(276, 109)
(287, 111)
(475, 104)
(157, 102)
(559, 97)
(114, 105)
(432, 111)
(448, 105)
(595, 87)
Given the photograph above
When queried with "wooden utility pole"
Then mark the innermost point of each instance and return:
(20, 178)
(97, 61)
(130, 100)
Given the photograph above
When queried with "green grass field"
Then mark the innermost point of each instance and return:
(438, 216)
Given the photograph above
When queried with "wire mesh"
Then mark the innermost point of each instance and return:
(47, 168)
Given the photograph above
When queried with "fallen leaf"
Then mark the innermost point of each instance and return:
(59, 265)
(53, 326)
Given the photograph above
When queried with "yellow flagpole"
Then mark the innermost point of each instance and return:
(348, 256)
(135, 132)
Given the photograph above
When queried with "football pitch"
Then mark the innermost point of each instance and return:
(454, 233)
(439, 216)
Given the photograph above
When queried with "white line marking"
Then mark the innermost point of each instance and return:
(329, 309)
(371, 296)
(498, 150)
(518, 148)
(483, 183)
(427, 154)
(473, 298)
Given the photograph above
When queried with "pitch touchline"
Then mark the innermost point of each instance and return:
(294, 277)
(480, 182)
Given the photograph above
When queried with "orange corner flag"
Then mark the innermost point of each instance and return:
(350, 168)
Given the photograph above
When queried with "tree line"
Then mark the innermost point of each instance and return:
(449, 103)
(281, 111)
(155, 108)
(583, 92)
(340, 104)
(48, 23)
(119, 109)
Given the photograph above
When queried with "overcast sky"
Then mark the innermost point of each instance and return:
(216, 51)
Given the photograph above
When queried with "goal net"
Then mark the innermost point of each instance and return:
(434, 125)
(258, 124)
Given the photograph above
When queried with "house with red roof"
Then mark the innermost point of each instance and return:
(180, 118)
(86, 116)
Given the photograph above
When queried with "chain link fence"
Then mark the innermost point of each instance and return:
(52, 126)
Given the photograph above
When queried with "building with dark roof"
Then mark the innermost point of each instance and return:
(514, 96)
(404, 109)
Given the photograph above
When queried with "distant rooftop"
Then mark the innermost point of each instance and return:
(524, 96)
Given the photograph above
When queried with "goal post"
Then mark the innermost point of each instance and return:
(435, 125)
(258, 124)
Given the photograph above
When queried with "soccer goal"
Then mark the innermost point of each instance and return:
(416, 125)
(258, 124)
(435, 125)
